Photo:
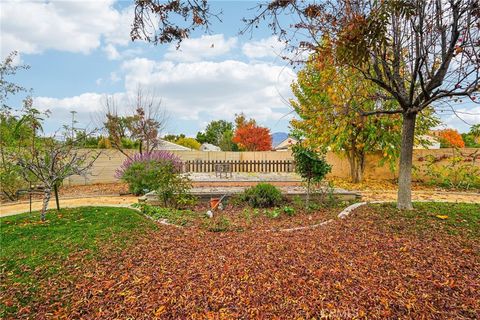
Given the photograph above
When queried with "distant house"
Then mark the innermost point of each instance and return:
(278, 137)
(433, 142)
(170, 146)
(209, 147)
(285, 144)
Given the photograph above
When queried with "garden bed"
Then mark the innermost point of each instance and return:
(241, 217)
(291, 192)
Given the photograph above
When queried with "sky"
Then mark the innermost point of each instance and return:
(80, 52)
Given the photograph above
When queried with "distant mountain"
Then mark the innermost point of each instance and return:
(278, 137)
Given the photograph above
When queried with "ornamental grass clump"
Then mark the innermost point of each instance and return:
(143, 172)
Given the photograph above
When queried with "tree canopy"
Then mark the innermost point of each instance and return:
(251, 137)
(450, 138)
(329, 101)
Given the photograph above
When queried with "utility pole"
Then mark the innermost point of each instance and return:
(73, 112)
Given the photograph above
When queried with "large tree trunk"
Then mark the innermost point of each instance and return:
(357, 166)
(47, 193)
(404, 200)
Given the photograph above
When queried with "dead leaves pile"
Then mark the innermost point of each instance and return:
(349, 269)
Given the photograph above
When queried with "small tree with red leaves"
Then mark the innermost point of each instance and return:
(450, 138)
(251, 137)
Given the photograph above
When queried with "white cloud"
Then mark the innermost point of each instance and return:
(86, 102)
(120, 34)
(73, 26)
(466, 117)
(207, 90)
(205, 47)
(88, 106)
(264, 48)
(111, 51)
(114, 77)
(195, 92)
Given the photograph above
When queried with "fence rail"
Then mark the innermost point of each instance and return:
(240, 165)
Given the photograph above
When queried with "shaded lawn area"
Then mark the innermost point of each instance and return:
(33, 253)
(378, 263)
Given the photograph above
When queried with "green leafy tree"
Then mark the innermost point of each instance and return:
(219, 133)
(173, 137)
(310, 165)
(189, 143)
(15, 131)
(15, 135)
(472, 138)
(328, 102)
(226, 142)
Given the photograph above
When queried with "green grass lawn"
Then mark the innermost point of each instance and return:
(32, 250)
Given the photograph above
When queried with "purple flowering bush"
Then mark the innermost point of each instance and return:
(144, 172)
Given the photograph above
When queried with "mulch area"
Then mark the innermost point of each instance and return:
(364, 266)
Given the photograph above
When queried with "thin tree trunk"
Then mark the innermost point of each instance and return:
(404, 200)
(307, 199)
(47, 193)
(55, 189)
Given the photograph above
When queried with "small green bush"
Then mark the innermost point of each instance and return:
(150, 171)
(173, 189)
(458, 173)
(219, 224)
(310, 165)
(142, 177)
(273, 213)
(263, 195)
(289, 211)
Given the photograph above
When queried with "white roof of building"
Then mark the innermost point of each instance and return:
(170, 146)
(286, 144)
(209, 147)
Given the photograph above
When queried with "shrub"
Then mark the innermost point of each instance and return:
(310, 165)
(11, 179)
(173, 187)
(289, 211)
(104, 143)
(129, 144)
(145, 172)
(273, 213)
(189, 143)
(263, 195)
(459, 172)
(218, 224)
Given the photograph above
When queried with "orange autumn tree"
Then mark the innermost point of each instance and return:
(450, 138)
(251, 137)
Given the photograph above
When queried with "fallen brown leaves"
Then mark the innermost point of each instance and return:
(354, 268)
